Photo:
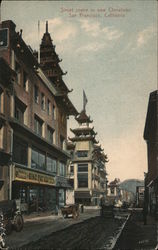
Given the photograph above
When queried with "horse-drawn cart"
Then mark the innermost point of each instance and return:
(12, 218)
(72, 209)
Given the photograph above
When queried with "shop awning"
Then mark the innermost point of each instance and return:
(62, 182)
(82, 194)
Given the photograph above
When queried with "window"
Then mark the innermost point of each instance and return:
(19, 110)
(51, 165)
(82, 153)
(48, 107)
(82, 180)
(20, 151)
(25, 81)
(43, 101)
(38, 159)
(50, 132)
(62, 169)
(38, 123)
(19, 115)
(18, 72)
(83, 168)
(54, 112)
(82, 176)
(36, 96)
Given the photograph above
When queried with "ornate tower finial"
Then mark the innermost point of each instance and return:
(46, 26)
(85, 100)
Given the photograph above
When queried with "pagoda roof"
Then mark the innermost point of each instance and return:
(83, 130)
(47, 40)
(84, 138)
(98, 148)
(98, 153)
(83, 118)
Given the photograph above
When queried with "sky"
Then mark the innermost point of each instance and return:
(109, 49)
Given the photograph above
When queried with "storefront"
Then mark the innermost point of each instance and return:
(83, 197)
(61, 186)
(35, 191)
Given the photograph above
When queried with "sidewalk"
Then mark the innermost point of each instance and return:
(36, 227)
(136, 235)
(148, 233)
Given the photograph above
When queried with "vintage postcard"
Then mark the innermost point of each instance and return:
(78, 125)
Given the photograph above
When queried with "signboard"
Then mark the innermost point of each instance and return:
(3, 38)
(33, 177)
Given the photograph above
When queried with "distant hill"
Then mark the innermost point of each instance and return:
(130, 185)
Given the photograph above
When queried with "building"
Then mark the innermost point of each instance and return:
(151, 137)
(33, 122)
(139, 196)
(87, 169)
(127, 196)
(114, 191)
(6, 80)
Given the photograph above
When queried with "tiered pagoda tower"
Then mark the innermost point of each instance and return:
(87, 167)
(49, 62)
(50, 65)
(84, 132)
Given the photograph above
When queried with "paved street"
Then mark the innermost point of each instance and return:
(54, 232)
(89, 231)
(94, 233)
(40, 226)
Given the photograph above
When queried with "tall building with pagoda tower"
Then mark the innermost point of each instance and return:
(49, 63)
(34, 107)
(87, 169)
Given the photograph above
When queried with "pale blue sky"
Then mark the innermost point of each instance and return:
(112, 58)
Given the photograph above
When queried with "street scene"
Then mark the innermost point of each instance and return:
(78, 125)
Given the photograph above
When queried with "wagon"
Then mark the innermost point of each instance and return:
(12, 218)
(72, 209)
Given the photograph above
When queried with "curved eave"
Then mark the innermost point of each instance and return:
(83, 139)
(87, 130)
(83, 120)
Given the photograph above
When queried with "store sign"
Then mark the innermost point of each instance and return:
(33, 177)
(61, 182)
(3, 38)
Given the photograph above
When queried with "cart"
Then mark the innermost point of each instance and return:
(72, 209)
